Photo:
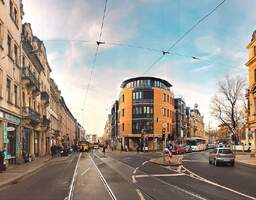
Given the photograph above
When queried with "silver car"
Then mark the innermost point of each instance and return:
(222, 155)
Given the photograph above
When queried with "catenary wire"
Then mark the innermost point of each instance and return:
(184, 35)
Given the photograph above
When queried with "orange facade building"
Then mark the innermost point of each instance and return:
(145, 103)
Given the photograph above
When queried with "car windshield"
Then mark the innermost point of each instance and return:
(225, 151)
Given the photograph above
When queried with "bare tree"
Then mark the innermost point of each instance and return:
(227, 105)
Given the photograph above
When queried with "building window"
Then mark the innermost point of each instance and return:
(164, 97)
(15, 95)
(9, 45)
(254, 48)
(123, 98)
(23, 61)
(168, 112)
(164, 111)
(8, 90)
(168, 98)
(122, 112)
(122, 126)
(11, 9)
(1, 82)
(254, 75)
(23, 99)
(1, 34)
(16, 54)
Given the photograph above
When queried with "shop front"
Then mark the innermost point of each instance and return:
(10, 137)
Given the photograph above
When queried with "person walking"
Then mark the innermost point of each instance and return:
(2, 168)
(104, 150)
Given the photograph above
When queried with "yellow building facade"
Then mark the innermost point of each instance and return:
(146, 105)
(251, 95)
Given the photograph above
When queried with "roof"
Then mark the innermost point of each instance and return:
(145, 78)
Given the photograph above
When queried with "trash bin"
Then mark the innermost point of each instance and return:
(2, 167)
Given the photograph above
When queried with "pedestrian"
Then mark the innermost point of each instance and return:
(53, 151)
(104, 150)
(2, 167)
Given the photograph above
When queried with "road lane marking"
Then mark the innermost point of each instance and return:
(86, 171)
(158, 175)
(133, 179)
(71, 187)
(200, 161)
(144, 162)
(135, 170)
(112, 195)
(195, 176)
(140, 194)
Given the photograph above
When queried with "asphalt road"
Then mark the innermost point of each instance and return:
(131, 176)
(49, 183)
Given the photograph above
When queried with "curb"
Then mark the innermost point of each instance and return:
(246, 164)
(11, 181)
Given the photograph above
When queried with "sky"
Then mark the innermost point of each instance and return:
(70, 30)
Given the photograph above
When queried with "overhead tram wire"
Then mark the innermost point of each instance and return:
(184, 35)
(99, 42)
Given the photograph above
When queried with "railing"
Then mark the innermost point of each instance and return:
(27, 74)
(45, 121)
(142, 101)
(31, 114)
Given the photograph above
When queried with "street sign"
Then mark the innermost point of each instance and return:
(10, 128)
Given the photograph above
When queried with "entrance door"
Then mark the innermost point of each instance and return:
(36, 144)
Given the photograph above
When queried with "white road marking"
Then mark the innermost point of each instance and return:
(135, 170)
(200, 161)
(140, 194)
(133, 179)
(85, 171)
(193, 175)
(112, 195)
(144, 162)
(71, 187)
(158, 175)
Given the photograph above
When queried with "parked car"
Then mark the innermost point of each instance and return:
(178, 149)
(188, 149)
(210, 146)
(66, 151)
(222, 155)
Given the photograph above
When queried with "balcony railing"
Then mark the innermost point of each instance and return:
(28, 75)
(31, 114)
(45, 97)
(142, 101)
(45, 121)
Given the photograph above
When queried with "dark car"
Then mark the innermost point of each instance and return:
(222, 155)
(66, 151)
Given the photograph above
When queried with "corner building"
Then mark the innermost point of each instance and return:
(145, 103)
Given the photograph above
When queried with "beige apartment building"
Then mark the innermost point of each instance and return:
(32, 111)
(196, 123)
(11, 14)
(35, 76)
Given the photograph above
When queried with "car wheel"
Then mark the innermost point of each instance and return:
(232, 164)
(215, 162)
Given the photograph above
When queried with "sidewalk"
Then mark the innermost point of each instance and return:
(17, 172)
(246, 159)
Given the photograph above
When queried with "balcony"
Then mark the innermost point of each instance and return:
(45, 98)
(142, 101)
(45, 121)
(31, 115)
(29, 79)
